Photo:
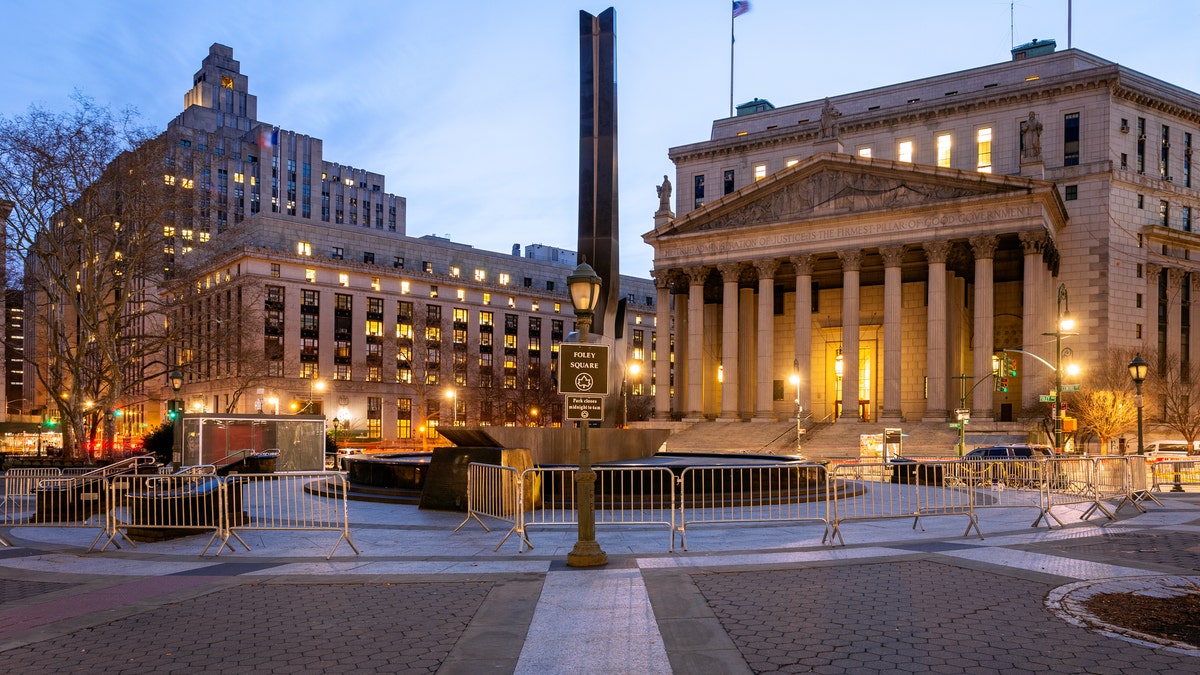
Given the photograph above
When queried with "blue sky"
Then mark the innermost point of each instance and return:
(470, 107)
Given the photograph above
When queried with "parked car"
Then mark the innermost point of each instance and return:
(1011, 451)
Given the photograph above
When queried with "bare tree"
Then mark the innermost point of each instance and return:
(1175, 393)
(1105, 407)
(90, 201)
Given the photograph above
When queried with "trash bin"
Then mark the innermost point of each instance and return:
(903, 470)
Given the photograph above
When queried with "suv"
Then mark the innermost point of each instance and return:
(1011, 451)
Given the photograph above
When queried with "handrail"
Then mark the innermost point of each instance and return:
(116, 468)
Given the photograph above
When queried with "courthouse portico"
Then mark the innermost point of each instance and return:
(908, 276)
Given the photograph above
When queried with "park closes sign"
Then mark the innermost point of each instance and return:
(584, 369)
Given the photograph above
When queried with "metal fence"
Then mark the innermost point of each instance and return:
(1173, 475)
(833, 495)
(124, 505)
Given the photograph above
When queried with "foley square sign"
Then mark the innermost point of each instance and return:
(583, 369)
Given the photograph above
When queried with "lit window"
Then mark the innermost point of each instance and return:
(461, 294)
(760, 171)
(906, 151)
(557, 307)
(791, 162)
(454, 271)
(943, 150)
(480, 275)
(343, 279)
(239, 177)
(169, 179)
(983, 144)
(350, 182)
(374, 283)
(168, 231)
(512, 302)
(433, 291)
(864, 152)
(188, 183)
(310, 275)
(187, 235)
(487, 298)
(534, 306)
(303, 248)
(637, 320)
(254, 180)
(204, 236)
(504, 279)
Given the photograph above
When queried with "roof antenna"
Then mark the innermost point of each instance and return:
(1012, 37)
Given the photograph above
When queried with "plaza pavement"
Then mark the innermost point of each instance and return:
(747, 598)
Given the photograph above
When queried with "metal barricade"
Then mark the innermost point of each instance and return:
(1111, 482)
(1068, 481)
(78, 501)
(624, 496)
(754, 494)
(1174, 474)
(186, 503)
(496, 492)
(20, 482)
(302, 500)
(906, 490)
(1139, 483)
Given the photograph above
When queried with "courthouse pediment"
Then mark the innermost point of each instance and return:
(836, 185)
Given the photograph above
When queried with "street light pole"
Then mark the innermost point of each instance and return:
(584, 286)
(1137, 370)
(1064, 323)
(176, 379)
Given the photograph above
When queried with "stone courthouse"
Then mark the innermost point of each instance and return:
(884, 245)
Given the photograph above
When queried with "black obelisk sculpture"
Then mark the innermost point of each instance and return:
(598, 240)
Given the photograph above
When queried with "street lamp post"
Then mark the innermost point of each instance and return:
(584, 285)
(176, 379)
(452, 394)
(1137, 370)
(319, 385)
(1065, 323)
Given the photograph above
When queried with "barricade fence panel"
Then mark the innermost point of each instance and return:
(20, 482)
(1174, 474)
(909, 490)
(752, 493)
(185, 502)
(499, 493)
(303, 500)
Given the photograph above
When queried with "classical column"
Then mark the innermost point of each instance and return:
(1034, 290)
(803, 336)
(662, 344)
(851, 263)
(679, 403)
(984, 248)
(893, 364)
(729, 340)
(694, 405)
(1175, 279)
(1194, 324)
(1150, 307)
(935, 366)
(764, 398)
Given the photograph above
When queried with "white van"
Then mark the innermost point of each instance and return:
(1160, 450)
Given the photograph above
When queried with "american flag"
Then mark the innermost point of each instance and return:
(740, 7)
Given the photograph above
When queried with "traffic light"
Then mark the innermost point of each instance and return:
(51, 422)
(1004, 384)
(173, 409)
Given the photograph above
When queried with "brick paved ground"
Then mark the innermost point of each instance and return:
(911, 616)
(285, 628)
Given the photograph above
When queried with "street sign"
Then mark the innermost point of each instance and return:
(1046, 398)
(585, 408)
(583, 369)
(1070, 387)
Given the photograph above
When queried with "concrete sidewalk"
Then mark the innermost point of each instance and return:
(743, 598)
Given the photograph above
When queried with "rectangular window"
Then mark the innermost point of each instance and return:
(983, 150)
(480, 275)
(275, 270)
(1187, 159)
(1164, 213)
(303, 248)
(698, 191)
(728, 181)
(1164, 158)
(864, 151)
(1071, 139)
(1185, 219)
(760, 171)
(338, 253)
(905, 153)
(1141, 145)
(943, 150)
(1072, 193)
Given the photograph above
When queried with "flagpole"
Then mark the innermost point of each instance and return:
(731, 41)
